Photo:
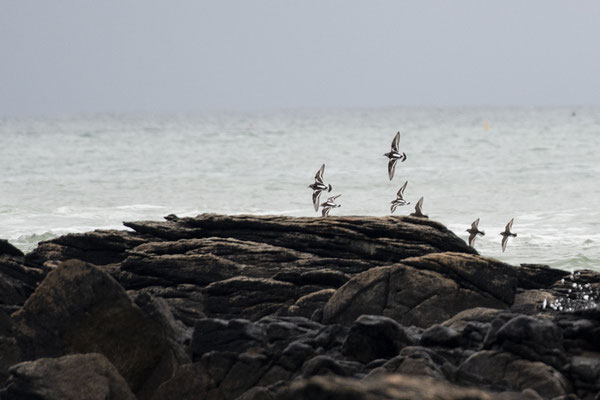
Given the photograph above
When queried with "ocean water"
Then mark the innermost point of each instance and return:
(540, 166)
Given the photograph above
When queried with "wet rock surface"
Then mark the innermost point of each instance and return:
(264, 307)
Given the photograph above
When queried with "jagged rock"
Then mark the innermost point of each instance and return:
(72, 377)
(424, 291)
(236, 335)
(98, 247)
(253, 298)
(397, 387)
(10, 354)
(505, 371)
(538, 276)
(79, 308)
(385, 239)
(8, 249)
(17, 281)
(372, 337)
(186, 301)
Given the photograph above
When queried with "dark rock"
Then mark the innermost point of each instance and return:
(504, 371)
(414, 361)
(8, 249)
(538, 276)
(387, 239)
(531, 302)
(393, 386)
(532, 338)
(79, 308)
(98, 247)
(424, 293)
(17, 281)
(72, 377)
(326, 365)
(438, 335)
(372, 337)
(253, 298)
(307, 305)
(235, 335)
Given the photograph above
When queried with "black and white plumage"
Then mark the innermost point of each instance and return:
(418, 209)
(318, 187)
(394, 155)
(507, 233)
(399, 201)
(331, 201)
(329, 204)
(474, 231)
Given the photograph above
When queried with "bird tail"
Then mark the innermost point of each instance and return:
(329, 190)
(482, 233)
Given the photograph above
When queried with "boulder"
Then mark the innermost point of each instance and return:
(8, 249)
(505, 371)
(79, 308)
(424, 291)
(372, 337)
(72, 377)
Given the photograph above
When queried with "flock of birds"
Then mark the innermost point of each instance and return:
(394, 155)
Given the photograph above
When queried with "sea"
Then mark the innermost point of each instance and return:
(540, 166)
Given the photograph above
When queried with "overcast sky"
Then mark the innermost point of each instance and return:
(81, 56)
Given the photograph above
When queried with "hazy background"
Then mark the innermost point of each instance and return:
(75, 56)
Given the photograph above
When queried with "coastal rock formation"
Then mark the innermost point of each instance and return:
(72, 377)
(264, 307)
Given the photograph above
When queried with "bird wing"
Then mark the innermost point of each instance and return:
(391, 168)
(316, 196)
(393, 208)
(472, 239)
(419, 205)
(325, 211)
(396, 142)
(401, 191)
(474, 224)
(319, 175)
(504, 240)
(509, 226)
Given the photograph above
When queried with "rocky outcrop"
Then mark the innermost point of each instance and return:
(264, 307)
(72, 377)
(78, 308)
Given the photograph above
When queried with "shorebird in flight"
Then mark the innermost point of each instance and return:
(418, 210)
(474, 231)
(506, 234)
(394, 155)
(399, 201)
(318, 187)
(329, 204)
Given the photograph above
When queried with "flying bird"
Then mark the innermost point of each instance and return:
(399, 201)
(418, 210)
(474, 231)
(507, 233)
(394, 155)
(329, 204)
(318, 187)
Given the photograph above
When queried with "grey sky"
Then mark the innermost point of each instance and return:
(72, 56)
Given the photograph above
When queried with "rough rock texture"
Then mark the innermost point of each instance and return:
(79, 308)
(263, 307)
(425, 290)
(72, 377)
